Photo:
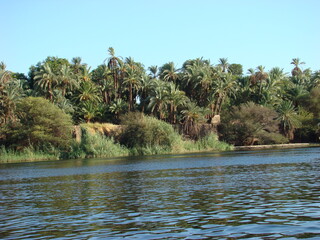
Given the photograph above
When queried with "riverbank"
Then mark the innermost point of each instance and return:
(94, 145)
(34, 156)
(289, 145)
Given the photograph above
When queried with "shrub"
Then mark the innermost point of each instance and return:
(142, 132)
(41, 124)
(250, 123)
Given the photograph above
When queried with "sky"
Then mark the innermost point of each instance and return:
(249, 32)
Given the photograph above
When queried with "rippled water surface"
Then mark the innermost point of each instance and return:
(270, 194)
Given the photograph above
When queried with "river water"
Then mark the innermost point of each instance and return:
(269, 194)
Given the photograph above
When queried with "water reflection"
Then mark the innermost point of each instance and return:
(270, 194)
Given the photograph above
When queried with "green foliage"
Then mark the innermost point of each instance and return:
(144, 131)
(188, 97)
(209, 142)
(41, 124)
(28, 154)
(96, 145)
(314, 101)
(235, 69)
(248, 124)
(288, 118)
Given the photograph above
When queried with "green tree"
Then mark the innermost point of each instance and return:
(90, 110)
(114, 64)
(132, 80)
(250, 123)
(296, 70)
(192, 119)
(169, 73)
(153, 71)
(88, 91)
(158, 99)
(41, 124)
(223, 88)
(288, 118)
(102, 75)
(176, 98)
(223, 64)
(11, 92)
(118, 107)
(66, 80)
(314, 102)
(235, 69)
(46, 80)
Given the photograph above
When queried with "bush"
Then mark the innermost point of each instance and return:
(41, 125)
(144, 132)
(250, 123)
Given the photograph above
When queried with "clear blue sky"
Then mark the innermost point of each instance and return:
(249, 32)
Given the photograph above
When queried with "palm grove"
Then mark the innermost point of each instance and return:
(261, 107)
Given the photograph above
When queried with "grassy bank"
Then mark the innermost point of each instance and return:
(98, 146)
(27, 155)
(276, 146)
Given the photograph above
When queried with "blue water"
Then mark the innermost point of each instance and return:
(269, 194)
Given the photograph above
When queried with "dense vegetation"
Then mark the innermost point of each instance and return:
(260, 107)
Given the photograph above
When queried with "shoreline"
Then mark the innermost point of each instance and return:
(275, 146)
(235, 148)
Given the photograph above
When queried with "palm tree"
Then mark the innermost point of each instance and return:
(10, 94)
(296, 94)
(168, 72)
(153, 71)
(3, 66)
(132, 80)
(296, 70)
(76, 65)
(198, 79)
(288, 118)
(176, 98)
(66, 79)
(276, 83)
(88, 91)
(224, 87)
(193, 116)
(118, 107)
(146, 84)
(114, 64)
(5, 76)
(46, 80)
(252, 76)
(223, 64)
(90, 110)
(315, 79)
(261, 76)
(158, 99)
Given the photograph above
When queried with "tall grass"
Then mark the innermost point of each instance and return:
(28, 154)
(96, 145)
(157, 138)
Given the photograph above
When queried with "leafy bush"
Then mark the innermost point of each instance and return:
(41, 124)
(250, 123)
(142, 131)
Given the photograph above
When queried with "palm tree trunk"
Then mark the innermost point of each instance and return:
(130, 97)
(50, 93)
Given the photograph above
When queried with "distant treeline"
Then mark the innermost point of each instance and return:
(255, 107)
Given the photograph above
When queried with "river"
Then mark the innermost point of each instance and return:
(269, 194)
